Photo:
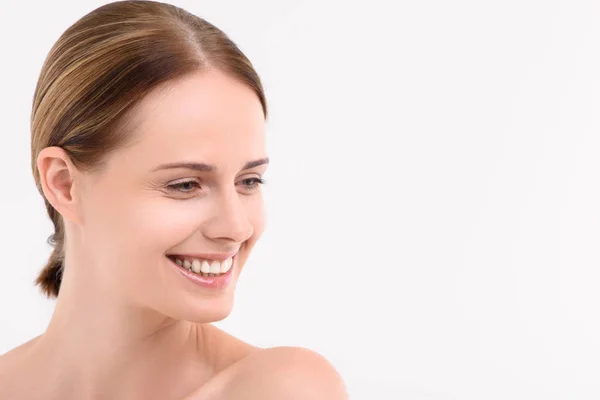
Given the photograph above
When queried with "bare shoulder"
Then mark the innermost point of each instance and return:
(286, 373)
(12, 366)
(13, 356)
(245, 372)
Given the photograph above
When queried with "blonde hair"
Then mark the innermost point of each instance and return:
(100, 68)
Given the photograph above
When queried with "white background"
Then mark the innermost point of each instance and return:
(433, 199)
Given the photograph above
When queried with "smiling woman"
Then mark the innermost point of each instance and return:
(148, 146)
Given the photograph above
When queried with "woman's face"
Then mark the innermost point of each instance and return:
(143, 212)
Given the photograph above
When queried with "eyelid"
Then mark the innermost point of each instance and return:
(250, 175)
(173, 187)
(256, 178)
(183, 180)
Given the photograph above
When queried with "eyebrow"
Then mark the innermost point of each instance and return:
(202, 167)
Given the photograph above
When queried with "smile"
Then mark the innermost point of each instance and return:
(211, 280)
(203, 267)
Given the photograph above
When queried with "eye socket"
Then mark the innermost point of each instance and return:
(184, 186)
(253, 183)
(190, 186)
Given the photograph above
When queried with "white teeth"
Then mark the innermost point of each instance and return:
(225, 265)
(215, 267)
(196, 266)
(205, 267)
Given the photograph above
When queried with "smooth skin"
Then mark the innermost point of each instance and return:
(127, 325)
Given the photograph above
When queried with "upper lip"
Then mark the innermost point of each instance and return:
(206, 256)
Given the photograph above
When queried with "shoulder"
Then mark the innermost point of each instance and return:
(14, 367)
(245, 372)
(286, 373)
(15, 355)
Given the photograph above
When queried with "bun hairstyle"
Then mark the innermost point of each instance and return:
(99, 69)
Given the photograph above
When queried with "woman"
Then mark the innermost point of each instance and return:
(148, 145)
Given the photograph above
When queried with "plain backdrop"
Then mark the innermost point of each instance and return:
(432, 202)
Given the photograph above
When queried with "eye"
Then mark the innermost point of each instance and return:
(252, 184)
(184, 186)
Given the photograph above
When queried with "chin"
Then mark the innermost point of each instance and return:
(210, 314)
(199, 309)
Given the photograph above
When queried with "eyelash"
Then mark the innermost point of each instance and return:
(176, 187)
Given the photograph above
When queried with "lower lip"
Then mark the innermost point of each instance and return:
(210, 282)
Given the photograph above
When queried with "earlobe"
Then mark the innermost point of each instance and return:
(56, 178)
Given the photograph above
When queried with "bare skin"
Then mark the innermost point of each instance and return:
(127, 324)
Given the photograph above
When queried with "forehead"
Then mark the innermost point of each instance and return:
(207, 116)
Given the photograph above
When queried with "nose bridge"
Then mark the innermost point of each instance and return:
(230, 220)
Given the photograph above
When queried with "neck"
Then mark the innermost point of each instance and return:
(97, 346)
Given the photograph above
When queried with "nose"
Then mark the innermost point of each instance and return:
(230, 219)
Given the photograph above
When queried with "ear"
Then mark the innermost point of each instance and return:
(57, 174)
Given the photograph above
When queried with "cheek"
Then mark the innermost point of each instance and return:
(132, 226)
(135, 233)
(164, 223)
